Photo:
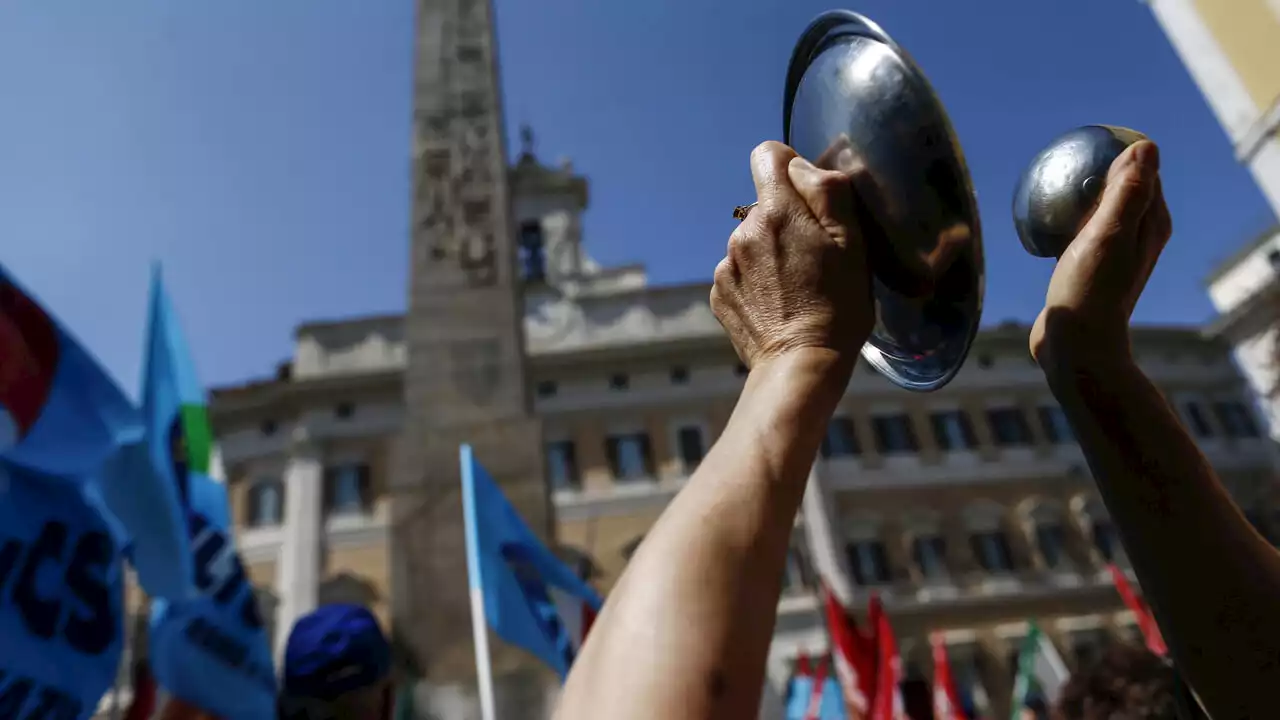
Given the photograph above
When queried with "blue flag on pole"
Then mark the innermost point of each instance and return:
(61, 419)
(211, 650)
(808, 700)
(61, 415)
(799, 696)
(531, 599)
(61, 597)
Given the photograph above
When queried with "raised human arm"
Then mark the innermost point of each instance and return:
(1212, 581)
(686, 631)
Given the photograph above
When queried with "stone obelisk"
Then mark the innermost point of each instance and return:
(466, 372)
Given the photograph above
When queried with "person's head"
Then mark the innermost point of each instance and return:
(1127, 681)
(336, 667)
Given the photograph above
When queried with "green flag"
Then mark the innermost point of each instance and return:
(1040, 667)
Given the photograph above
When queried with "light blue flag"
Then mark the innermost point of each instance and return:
(531, 599)
(138, 487)
(832, 707)
(61, 597)
(211, 649)
(61, 419)
(61, 415)
(799, 696)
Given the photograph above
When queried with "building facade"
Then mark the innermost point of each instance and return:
(1232, 50)
(1245, 290)
(970, 510)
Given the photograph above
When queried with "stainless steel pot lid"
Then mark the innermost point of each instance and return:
(855, 102)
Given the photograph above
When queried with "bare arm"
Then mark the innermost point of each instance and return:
(1211, 579)
(1213, 582)
(686, 631)
(687, 628)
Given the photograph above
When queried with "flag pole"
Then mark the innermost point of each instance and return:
(124, 670)
(822, 544)
(479, 625)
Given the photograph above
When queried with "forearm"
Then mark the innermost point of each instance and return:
(688, 638)
(1212, 581)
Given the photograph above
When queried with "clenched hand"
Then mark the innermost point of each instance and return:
(1102, 273)
(795, 272)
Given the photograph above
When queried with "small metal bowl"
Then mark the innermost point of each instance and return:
(855, 102)
(1060, 188)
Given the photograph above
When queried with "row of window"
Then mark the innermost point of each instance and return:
(347, 491)
(1236, 419)
(930, 557)
(341, 411)
(952, 430)
(678, 375)
(630, 456)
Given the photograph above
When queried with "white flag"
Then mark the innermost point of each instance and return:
(1039, 666)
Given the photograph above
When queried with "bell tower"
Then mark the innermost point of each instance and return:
(465, 380)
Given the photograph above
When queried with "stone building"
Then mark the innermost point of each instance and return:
(970, 509)
(1232, 51)
(1245, 290)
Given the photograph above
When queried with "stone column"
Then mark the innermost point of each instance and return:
(298, 570)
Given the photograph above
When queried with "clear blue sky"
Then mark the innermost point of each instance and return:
(261, 149)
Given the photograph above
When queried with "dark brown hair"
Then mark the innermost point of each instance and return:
(1126, 682)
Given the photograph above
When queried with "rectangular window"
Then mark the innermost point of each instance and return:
(562, 465)
(795, 576)
(991, 549)
(1051, 539)
(953, 431)
(1054, 423)
(1198, 420)
(840, 440)
(1009, 427)
(930, 553)
(1236, 419)
(689, 438)
(869, 562)
(629, 456)
(266, 502)
(1105, 540)
(894, 434)
(532, 259)
(346, 489)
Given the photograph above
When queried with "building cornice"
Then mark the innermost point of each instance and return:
(225, 402)
(1241, 253)
(1254, 314)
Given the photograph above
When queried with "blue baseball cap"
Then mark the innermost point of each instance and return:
(334, 650)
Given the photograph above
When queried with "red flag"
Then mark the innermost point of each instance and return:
(946, 701)
(887, 702)
(803, 668)
(854, 657)
(1146, 621)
